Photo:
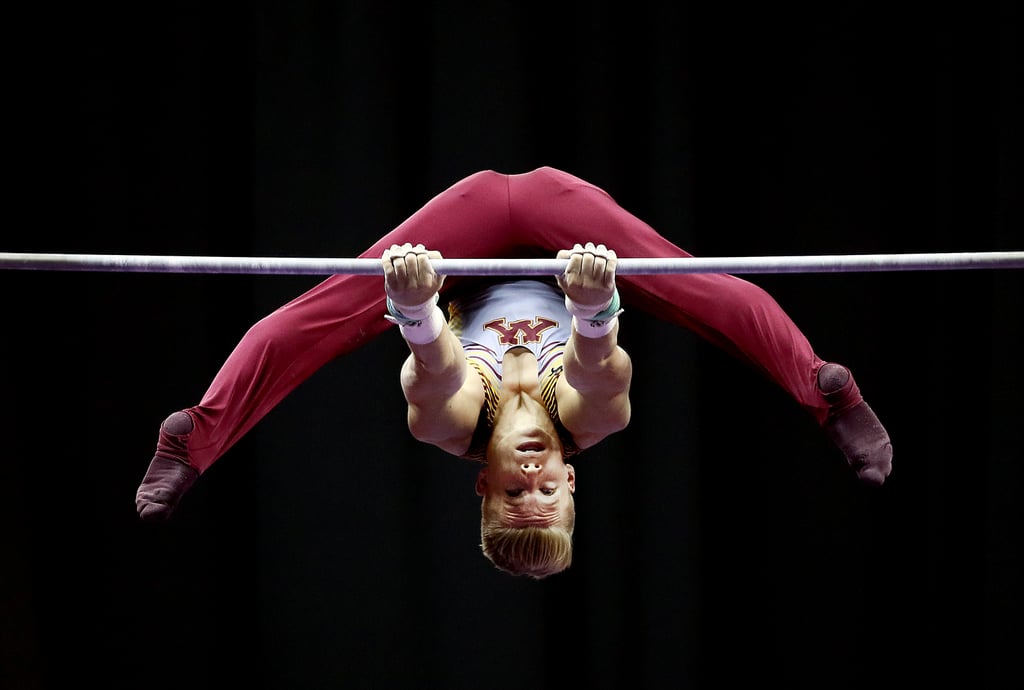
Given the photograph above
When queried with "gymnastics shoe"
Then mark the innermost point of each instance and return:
(853, 426)
(170, 475)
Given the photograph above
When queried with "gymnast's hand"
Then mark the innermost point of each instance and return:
(589, 279)
(409, 278)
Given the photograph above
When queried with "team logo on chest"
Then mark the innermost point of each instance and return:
(520, 332)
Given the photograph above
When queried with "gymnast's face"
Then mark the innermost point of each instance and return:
(527, 482)
(528, 487)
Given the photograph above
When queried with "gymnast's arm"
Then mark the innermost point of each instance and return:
(444, 395)
(593, 392)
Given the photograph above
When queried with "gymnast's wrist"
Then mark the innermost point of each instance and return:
(419, 323)
(590, 311)
(595, 321)
(405, 313)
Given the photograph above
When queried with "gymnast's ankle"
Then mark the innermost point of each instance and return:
(832, 377)
(838, 388)
(178, 424)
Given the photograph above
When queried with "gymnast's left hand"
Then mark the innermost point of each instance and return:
(589, 278)
(409, 277)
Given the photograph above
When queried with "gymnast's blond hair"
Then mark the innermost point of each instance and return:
(535, 552)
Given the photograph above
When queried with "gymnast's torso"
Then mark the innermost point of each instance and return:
(514, 335)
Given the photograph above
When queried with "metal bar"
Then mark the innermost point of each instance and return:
(839, 263)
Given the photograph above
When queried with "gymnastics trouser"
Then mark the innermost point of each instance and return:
(488, 215)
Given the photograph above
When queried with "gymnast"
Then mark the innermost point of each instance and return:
(576, 375)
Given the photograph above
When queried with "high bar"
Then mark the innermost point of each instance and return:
(828, 263)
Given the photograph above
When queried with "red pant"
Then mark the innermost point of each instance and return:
(489, 215)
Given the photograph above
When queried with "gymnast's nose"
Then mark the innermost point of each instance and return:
(529, 468)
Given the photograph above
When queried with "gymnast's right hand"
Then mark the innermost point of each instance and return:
(409, 277)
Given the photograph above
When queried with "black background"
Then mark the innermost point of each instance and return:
(720, 541)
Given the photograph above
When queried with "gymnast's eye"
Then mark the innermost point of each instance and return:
(547, 491)
(513, 493)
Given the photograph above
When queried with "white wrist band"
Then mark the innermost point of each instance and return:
(593, 329)
(417, 312)
(425, 330)
(594, 321)
(585, 311)
(420, 324)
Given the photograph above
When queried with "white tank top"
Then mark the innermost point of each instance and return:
(498, 317)
(520, 313)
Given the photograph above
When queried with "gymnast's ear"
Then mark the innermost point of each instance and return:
(572, 478)
(481, 482)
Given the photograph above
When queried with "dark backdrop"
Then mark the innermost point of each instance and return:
(721, 542)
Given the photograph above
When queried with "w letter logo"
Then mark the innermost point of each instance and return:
(520, 332)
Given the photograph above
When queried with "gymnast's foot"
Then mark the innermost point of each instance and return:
(853, 426)
(170, 475)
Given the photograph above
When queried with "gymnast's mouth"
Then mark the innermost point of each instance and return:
(531, 447)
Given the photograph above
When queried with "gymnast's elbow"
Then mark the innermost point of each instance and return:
(447, 434)
(423, 426)
(621, 414)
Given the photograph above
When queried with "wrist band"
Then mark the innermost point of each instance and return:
(420, 324)
(600, 312)
(411, 316)
(595, 321)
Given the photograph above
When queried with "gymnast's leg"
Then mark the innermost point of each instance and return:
(468, 220)
(551, 209)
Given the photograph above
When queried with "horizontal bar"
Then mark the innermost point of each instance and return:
(838, 263)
